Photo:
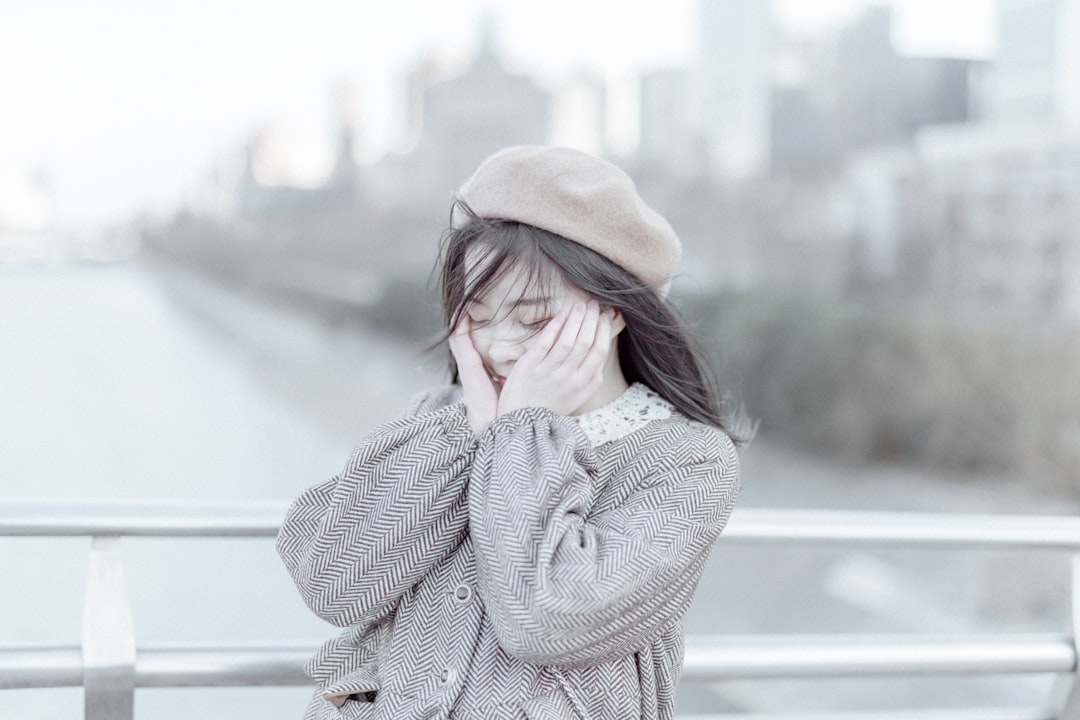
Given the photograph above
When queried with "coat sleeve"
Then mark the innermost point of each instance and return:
(568, 587)
(357, 542)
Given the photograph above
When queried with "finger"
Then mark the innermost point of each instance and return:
(464, 325)
(567, 339)
(456, 336)
(465, 354)
(594, 360)
(602, 340)
(544, 341)
(586, 336)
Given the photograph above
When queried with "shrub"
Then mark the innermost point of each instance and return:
(885, 384)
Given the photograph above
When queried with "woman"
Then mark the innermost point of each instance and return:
(526, 541)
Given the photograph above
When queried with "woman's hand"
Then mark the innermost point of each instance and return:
(481, 395)
(564, 364)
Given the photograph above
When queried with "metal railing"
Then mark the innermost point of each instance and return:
(109, 666)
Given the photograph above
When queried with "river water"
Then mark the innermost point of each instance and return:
(128, 381)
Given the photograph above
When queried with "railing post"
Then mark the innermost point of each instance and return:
(1066, 693)
(108, 636)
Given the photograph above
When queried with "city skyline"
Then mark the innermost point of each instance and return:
(123, 104)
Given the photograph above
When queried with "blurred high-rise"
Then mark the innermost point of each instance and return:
(731, 86)
(859, 92)
(993, 224)
(1037, 69)
(470, 116)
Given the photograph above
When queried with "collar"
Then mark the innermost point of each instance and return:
(632, 410)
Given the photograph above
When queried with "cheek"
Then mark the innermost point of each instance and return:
(530, 341)
(481, 339)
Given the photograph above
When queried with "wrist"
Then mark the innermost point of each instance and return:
(478, 422)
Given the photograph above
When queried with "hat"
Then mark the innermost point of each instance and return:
(580, 197)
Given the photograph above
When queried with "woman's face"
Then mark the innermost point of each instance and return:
(507, 317)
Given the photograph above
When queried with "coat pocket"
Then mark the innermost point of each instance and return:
(323, 708)
(550, 706)
(353, 710)
(354, 695)
(559, 703)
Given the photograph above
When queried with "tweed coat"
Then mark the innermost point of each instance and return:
(540, 571)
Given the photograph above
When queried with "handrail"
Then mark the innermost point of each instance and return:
(986, 531)
(44, 518)
(35, 666)
(707, 658)
(980, 713)
(814, 656)
(757, 525)
(162, 666)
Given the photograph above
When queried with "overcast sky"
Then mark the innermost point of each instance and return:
(118, 104)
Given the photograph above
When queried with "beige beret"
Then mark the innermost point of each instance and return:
(580, 197)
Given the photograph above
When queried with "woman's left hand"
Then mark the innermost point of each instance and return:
(564, 365)
(481, 397)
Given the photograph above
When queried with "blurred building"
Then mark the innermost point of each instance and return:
(861, 93)
(731, 88)
(667, 143)
(344, 173)
(468, 117)
(268, 184)
(781, 158)
(1037, 70)
(579, 113)
(995, 221)
(878, 181)
(987, 214)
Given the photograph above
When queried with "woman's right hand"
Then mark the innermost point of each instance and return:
(481, 395)
(564, 364)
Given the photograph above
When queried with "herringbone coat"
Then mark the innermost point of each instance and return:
(531, 573)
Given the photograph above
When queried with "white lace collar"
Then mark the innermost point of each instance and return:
(632, 410)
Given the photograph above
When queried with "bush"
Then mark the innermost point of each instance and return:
(877, 384)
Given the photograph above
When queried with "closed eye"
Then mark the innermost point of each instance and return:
(478, 322)
(536, 324)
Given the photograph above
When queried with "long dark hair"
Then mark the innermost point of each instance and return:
(656, 348)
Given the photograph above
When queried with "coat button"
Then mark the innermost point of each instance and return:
(463, 593)
(446, 677)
